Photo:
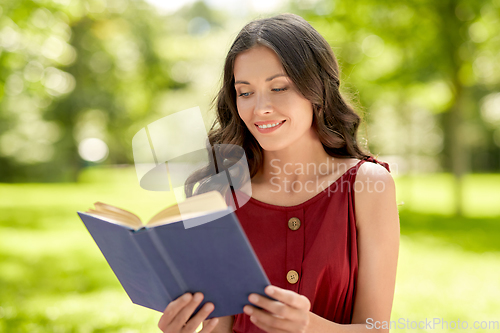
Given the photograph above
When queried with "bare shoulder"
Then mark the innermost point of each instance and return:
(370, 172)
(375, 194)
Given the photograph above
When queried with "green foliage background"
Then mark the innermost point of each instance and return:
(424, 74)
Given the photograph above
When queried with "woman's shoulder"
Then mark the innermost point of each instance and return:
(377, 170)
(371, 175)
(374, 177)
(375, 191)
(376, 165)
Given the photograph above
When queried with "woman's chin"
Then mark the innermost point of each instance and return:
(272, 146)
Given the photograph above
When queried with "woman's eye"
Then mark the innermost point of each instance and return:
(275, 89)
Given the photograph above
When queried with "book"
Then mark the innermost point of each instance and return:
(204, 249)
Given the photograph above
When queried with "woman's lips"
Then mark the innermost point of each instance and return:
(269, 129)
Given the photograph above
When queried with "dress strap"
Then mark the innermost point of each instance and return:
(374, 160)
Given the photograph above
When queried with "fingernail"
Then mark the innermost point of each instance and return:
(253, 298)
(270, 290)
(186, 296)
(198, 297)
(209, 307)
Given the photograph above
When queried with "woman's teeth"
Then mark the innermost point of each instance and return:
(270, 125)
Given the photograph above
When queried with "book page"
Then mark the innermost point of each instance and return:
(197, 205)
(191, 207)
(116, 215)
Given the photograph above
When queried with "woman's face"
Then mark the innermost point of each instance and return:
(266, 96)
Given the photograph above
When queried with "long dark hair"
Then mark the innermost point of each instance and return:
(308, 60)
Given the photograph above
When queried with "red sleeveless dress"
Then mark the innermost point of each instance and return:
(309, 248)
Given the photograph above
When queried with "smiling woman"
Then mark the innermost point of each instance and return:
(256, 96)
(328, 242)
(279, 68)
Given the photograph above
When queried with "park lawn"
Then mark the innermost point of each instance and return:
(433, 193)
(53, 277)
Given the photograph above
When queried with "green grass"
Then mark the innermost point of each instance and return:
(439, 279)
(433, 193)
(53, 277)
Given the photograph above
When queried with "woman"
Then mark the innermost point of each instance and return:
(328, 239)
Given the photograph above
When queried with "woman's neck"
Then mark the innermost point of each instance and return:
(301, 161)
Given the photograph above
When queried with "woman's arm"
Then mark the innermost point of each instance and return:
(377, 221)
(225, 325)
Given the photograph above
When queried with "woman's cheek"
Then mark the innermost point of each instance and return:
(243, 116)
(244, 110)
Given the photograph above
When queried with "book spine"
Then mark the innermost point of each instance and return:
(152, 268)
(161, 262)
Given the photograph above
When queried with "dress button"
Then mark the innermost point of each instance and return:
(292, 276)
(293, 223)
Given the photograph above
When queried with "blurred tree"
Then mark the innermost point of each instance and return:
(426, 71)
(73, 70)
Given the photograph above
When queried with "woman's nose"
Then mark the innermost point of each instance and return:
(263, 104)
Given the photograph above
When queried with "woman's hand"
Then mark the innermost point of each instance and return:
(176, 315)
(290, 313)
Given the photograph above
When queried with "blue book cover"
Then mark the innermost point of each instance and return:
(157, 264)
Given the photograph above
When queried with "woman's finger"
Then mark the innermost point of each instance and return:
(186, 311)
(200, 316)
(210, 325)
(173, 308)
(269, 323)
(176, 315)
(289, 320)
(277, 308)
(273, 308)
(289, 297)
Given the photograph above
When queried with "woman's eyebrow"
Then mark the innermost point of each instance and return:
(268, 79)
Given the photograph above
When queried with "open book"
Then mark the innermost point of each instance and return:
(203, 249)
(192, 207)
